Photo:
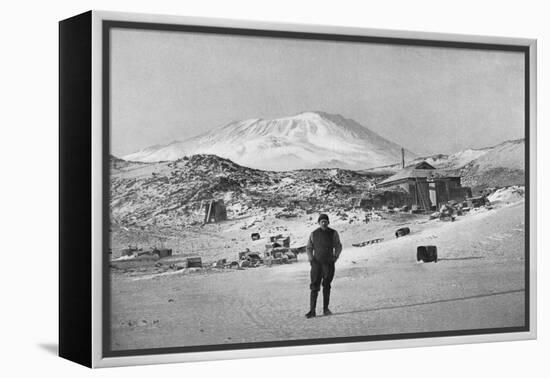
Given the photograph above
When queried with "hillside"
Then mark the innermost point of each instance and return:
(170, 193)
(498, 166)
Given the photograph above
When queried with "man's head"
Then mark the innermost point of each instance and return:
(323, 221)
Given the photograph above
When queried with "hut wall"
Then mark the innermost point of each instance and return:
(460, 194)
(442, 191)
(395, 199)
(450, 190)
(420, 193)
(423, 189)
(387, 198)
(418, 189)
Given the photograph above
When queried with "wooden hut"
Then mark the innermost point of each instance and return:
(428, 188)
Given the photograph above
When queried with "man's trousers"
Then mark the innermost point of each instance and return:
(321, 274)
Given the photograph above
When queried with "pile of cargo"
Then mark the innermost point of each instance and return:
(278, 251)
(249, 259)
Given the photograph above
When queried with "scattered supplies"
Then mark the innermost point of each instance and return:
(368, 242)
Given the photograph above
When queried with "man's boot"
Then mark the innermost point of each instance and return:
(312, 304)
(326, 300)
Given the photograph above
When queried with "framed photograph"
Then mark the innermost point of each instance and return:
(234, 189)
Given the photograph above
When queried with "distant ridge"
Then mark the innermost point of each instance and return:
(496, 166)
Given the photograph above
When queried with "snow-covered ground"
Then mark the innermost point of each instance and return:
(507, 195)
(380, 289)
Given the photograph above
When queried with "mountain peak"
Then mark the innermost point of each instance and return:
(310, 139)
(312, 114)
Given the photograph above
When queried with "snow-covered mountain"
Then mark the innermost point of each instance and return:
(304, 141)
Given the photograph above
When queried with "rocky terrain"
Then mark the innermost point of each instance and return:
(173, 193)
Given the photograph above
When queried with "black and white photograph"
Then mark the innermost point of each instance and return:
(289, 188)
(273, 189)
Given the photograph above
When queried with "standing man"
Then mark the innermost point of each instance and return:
(323, 249)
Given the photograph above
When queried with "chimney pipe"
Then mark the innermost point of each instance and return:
(402, 157)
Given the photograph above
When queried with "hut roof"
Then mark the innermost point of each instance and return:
(420, 170)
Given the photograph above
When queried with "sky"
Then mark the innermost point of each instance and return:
(169, 86)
